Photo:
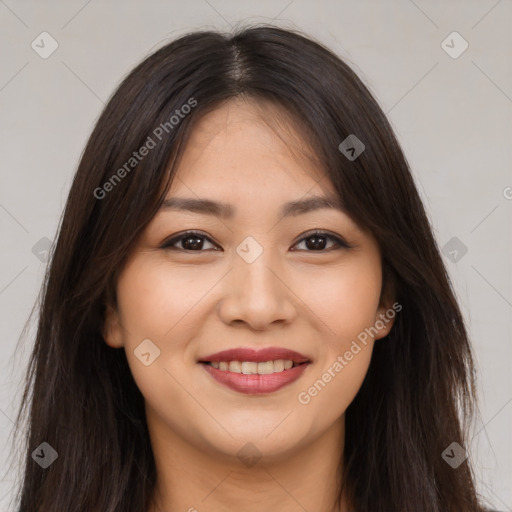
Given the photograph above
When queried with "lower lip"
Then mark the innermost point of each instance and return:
(255, 384)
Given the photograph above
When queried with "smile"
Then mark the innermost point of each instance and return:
(250, 371)
(253, 368)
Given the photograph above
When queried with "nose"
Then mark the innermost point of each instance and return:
(256, 293)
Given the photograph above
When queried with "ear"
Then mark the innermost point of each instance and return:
(385, 318)
(386, 312)
(111, 330)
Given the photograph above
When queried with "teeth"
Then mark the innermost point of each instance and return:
(279, 365)
(266, 368)
(252, 368)
(235, 366)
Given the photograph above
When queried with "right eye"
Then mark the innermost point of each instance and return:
(191, 241)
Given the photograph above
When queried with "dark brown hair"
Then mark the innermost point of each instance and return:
(419, 393)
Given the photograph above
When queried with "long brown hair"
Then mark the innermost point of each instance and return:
(419, 393)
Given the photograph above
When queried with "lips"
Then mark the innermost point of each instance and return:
(256, 356)
(255, 383)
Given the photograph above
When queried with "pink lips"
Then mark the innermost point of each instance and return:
(255, 384)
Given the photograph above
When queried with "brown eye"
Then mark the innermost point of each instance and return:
(190, 241)
(316, 241)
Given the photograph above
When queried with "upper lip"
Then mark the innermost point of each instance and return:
(256, 356)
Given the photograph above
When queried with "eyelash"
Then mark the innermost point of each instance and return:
(339, 242)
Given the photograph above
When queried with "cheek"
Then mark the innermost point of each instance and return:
(156, 303)
(332, 388)
(156, 300)
(346, 302)
(345, 298)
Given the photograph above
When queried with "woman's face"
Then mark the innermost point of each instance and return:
(250, 279)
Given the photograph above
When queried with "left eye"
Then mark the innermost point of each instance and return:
(317, 240)
(193, 241)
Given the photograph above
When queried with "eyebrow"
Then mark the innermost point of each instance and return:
(226, 211)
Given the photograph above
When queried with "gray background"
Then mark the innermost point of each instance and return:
(453, 117)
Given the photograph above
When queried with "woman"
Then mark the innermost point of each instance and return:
(311, 356)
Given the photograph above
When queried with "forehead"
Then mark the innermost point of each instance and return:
(246, 143)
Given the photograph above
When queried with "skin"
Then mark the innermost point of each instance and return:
(191, 304)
